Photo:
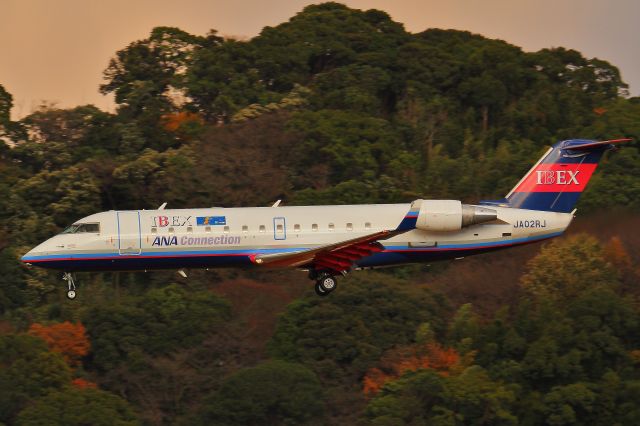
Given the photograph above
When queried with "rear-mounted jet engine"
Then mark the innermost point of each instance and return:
(450, 215)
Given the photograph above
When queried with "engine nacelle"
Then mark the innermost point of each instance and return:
(450, 215)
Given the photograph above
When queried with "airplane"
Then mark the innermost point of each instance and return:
(332, 240)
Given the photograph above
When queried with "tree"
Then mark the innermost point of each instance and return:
(425, 397)
(566, 267)
(148, 79)
(223, 79)
(65, 195)
(353, 145)
(142, 74)
(72, 406)
(67, 339)
(6, 102)
(571, 404)
(161, 321)
(29, 371)
(152, 177)
(274, 392)
(400, 360)
(367, 317)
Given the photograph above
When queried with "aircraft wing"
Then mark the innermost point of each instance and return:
(336, 257)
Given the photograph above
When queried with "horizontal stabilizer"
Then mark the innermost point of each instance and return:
(591, 144)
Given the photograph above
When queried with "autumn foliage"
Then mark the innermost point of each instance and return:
(83, 384)
(172, 122)
(400, 360)
(615, 252)
(68, 339)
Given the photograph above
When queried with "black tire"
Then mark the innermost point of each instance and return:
(327, 283)
(319, 291)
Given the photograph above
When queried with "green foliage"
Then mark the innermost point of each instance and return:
(367, 317)
(275, 392)
(618, 185)
(69, 407)
(161, 321)
(566, 268)
(28, 371)
(6, 103)
(352, 145)
(153, 177)
(425, 397)
(223, 80)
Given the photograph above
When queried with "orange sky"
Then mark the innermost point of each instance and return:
(56, 50)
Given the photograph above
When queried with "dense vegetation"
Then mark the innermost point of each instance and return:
(334, 106)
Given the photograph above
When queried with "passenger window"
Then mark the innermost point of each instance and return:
(314, 227)
(367, 225)
(172, 230)
(349, 226)
(296, 228)
(226, 229)
(331, 227)
(207, 229)
(154, 230)
(262, 228)
(279, 228)
(245, 229)
(189, 229)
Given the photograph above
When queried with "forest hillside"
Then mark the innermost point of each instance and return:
(334, 106)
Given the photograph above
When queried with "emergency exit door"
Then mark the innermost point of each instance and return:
(279, 228)
(129, 238)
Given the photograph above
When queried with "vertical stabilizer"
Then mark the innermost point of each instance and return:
(556, 181)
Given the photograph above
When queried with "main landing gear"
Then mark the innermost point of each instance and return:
(325, 282)
(68, 277)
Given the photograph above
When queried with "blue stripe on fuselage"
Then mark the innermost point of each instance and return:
(393, 254)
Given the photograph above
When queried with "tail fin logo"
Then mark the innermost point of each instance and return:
(556, 177)
(560, 177)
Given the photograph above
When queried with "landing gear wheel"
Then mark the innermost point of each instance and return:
(327, 283)
(71, 293)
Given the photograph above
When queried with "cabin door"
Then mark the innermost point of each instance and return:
(129, 238)
(279, 228)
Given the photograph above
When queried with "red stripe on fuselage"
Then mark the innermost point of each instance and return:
(558, 178)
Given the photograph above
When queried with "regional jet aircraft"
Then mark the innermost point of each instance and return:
(328, 241)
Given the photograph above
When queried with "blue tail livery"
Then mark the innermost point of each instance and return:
(556, 181)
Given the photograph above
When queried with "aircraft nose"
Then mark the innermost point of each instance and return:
(33, 253)
(27, 257)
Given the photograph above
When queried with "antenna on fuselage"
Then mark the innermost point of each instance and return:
(162, 206)
(276, 204)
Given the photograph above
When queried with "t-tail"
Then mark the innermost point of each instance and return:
(556, 181)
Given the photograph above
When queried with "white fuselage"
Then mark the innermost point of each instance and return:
(210, 237)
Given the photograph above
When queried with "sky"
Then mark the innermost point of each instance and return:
(56, 50)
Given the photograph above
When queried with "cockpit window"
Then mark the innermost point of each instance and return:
(78, 228)
(71, 229)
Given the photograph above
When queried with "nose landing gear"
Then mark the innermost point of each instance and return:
(68, 277)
